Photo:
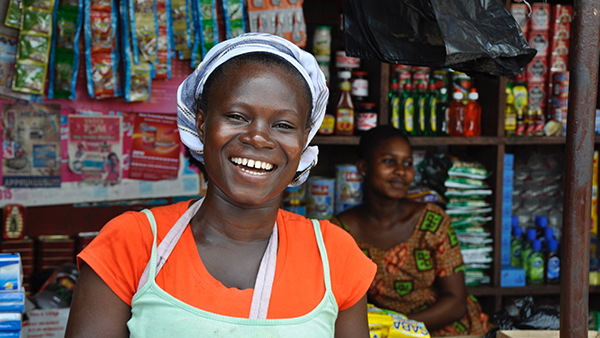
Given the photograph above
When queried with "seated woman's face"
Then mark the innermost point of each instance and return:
(390, 168)
(255, 131)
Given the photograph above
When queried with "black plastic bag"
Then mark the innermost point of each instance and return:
(478, 37)
(531, 317)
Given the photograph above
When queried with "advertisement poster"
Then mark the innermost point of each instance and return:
(96, 148)
(31, 146)
(155, 147)
(8, 56)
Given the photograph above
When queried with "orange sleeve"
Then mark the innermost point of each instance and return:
(352, 272)
(120, 252)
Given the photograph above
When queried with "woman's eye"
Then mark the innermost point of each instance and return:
(283, 126)
(389, 161)
(237, 117)
(408, 164)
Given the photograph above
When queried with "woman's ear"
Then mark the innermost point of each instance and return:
(361, 166)
(200, 123)
(306, 133)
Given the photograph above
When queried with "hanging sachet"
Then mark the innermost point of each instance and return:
(34, 46)
(235, 24)
(181, 25)
(205, 29)
(144, 30)
(65, 50)
(282, 18)
(101, 48)
(138, 77)
(162, 67)
(13, 14)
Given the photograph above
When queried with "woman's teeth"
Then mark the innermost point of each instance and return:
(252, 163)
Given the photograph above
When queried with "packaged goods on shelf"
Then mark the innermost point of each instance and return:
(320, 197)
(283, 18)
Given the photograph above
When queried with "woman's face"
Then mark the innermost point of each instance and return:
(389, 170)
(254, 131)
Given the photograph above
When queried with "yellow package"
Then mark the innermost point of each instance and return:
(390, 324)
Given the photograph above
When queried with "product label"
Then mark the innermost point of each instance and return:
(360, 87)
(515, 254)
(422, 114)
(553, 268)
(409, 114)
(328, 125)
(536, 268)
(366, 121)
(396, 112)
(510, 123)
(345, 120)
(433, 114)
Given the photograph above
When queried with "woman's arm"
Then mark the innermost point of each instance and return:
(96, 311)
(352, 322)
(451, 305)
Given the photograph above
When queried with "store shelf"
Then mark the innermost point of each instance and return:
(533, 140)
(441, 141)
(336, 140)
(534, 290)
(450, 141)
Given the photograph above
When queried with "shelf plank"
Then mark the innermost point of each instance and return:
(534, 140)
(448, 141)
(336, 140)
(441, 141)
(534, 290)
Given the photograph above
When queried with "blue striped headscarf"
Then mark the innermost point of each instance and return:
(190, 91)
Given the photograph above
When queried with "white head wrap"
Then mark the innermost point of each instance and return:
(191, 90)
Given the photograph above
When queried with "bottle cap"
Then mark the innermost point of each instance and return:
(543, 222)
(473, 95)
(537, 220)
(458, 95)
(531, 234)
(344, 75)
(537, 245)
(359, 73)
(368, 104)
(517, 231)
(443, 90)
(394, 85)
(549, 234)
(515, 221)
(553, 245)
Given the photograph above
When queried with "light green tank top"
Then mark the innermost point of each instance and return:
(155, 313)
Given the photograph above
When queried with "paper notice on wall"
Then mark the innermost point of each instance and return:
(47, 323)
(155, 147)
(31, 146)
(96, 148)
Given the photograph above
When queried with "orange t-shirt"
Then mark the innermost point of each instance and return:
(122, 249)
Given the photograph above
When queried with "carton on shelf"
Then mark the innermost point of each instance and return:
(537, 334)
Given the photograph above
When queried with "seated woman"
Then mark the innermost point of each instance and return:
(232, 264)
(419, 264)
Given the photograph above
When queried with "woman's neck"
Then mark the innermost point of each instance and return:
(219, 216)
(386, 211)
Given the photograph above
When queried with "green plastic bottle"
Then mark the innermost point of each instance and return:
(395, 108)
(432, 107)
(516, 247)
(408, 110)
(527, 247)
(536, 264)
(423, 118)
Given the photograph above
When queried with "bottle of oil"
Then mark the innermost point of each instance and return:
(407, 105)
(421, 110)
(442, 113)
(520, 130)
(344, 118)
(432, 108)
(510, 114)
(395, 109)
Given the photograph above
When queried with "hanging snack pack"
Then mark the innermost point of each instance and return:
(181, 25)
(144, 30)
(13, 14)
(282, 18)
(65, 50)
(235, 25)
(138, 79)
(34, 46)
(206, 31)
(162, 67)
(101, 48)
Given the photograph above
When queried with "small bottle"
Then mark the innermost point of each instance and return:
(443, 109)
(536, 264)
(395, 108)
(421, 110)
(527, 247)
(260, 24)
(510, 114)
(279, 27)
(366, 117)
(516, 247)
(407, 105)
(538, 122)
(552, 263)
(542, 225)
(455, 114)
(529, 123)
(360, 87)
(520, 131)
(432, 108)
(549, 234)
(472, 116)
(322, 41)
(344, 118)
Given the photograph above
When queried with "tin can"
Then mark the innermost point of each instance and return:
(294, 193)
(348, 184)
(537, 70)
(341, 207)
(559, 63)
(344, 61)
(320, 197)
(537, 94)
(540, 41)
(540, 16)
(562, 13)
(561, 30)
(519, 12)
(560, 84)
(560, 46)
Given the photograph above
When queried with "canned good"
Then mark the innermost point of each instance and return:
(537, 94)
(560, 84)
(348, 184)
(537, 70)
(560, 46)
(539, 40)
(562, 13)
(344, 61)
(341, 207)
(540, 16)
(519, 12)
(294, 193)
(320, 197)
(559, 63)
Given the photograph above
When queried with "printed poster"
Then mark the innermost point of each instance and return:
(96, 148)
(155, 147)
(31, 146)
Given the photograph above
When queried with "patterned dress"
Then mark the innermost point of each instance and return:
(406, 273)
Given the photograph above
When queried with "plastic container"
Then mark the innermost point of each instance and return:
(536, 263)
(455, 114)
(322, 41)
(472, 116)
(516, 247)
(407, 104)
(552, 263)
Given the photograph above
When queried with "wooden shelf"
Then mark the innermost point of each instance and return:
(336, 140)
(533, 140)
(534, 290)
(441, 141)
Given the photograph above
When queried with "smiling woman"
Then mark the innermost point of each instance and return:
(232, 263)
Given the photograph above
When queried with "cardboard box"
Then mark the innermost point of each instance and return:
(509, 161)
(537, 334)
(11, 272)
(511, 276)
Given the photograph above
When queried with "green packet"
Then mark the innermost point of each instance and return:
(45, 5)
(466, 203)
(467, 193)
(29, 77)
(66, 27)
(464, 183)
(36, 21)
(13, 15)
(64, 68)
(469, 169)
(467, 212)
(34, 48)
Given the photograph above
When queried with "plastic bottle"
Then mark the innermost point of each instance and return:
(549, 234)
(510, 114)
(395, 107)
(536, 263)
(529, 122)
(432, 107)
(472, 116)
(527, 248)
(421, 109)
(552, 263)
(516, 247)
(407, 104)
(344, 118)
(515, 221)
(455, 114)
(520, 131)
(443, 109)
(542, 224)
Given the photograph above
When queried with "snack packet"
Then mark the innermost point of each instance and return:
(391, 324)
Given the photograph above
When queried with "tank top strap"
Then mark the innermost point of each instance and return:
(323, 252)
(150, 269)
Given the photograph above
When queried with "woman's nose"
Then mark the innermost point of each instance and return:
(258, 135)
